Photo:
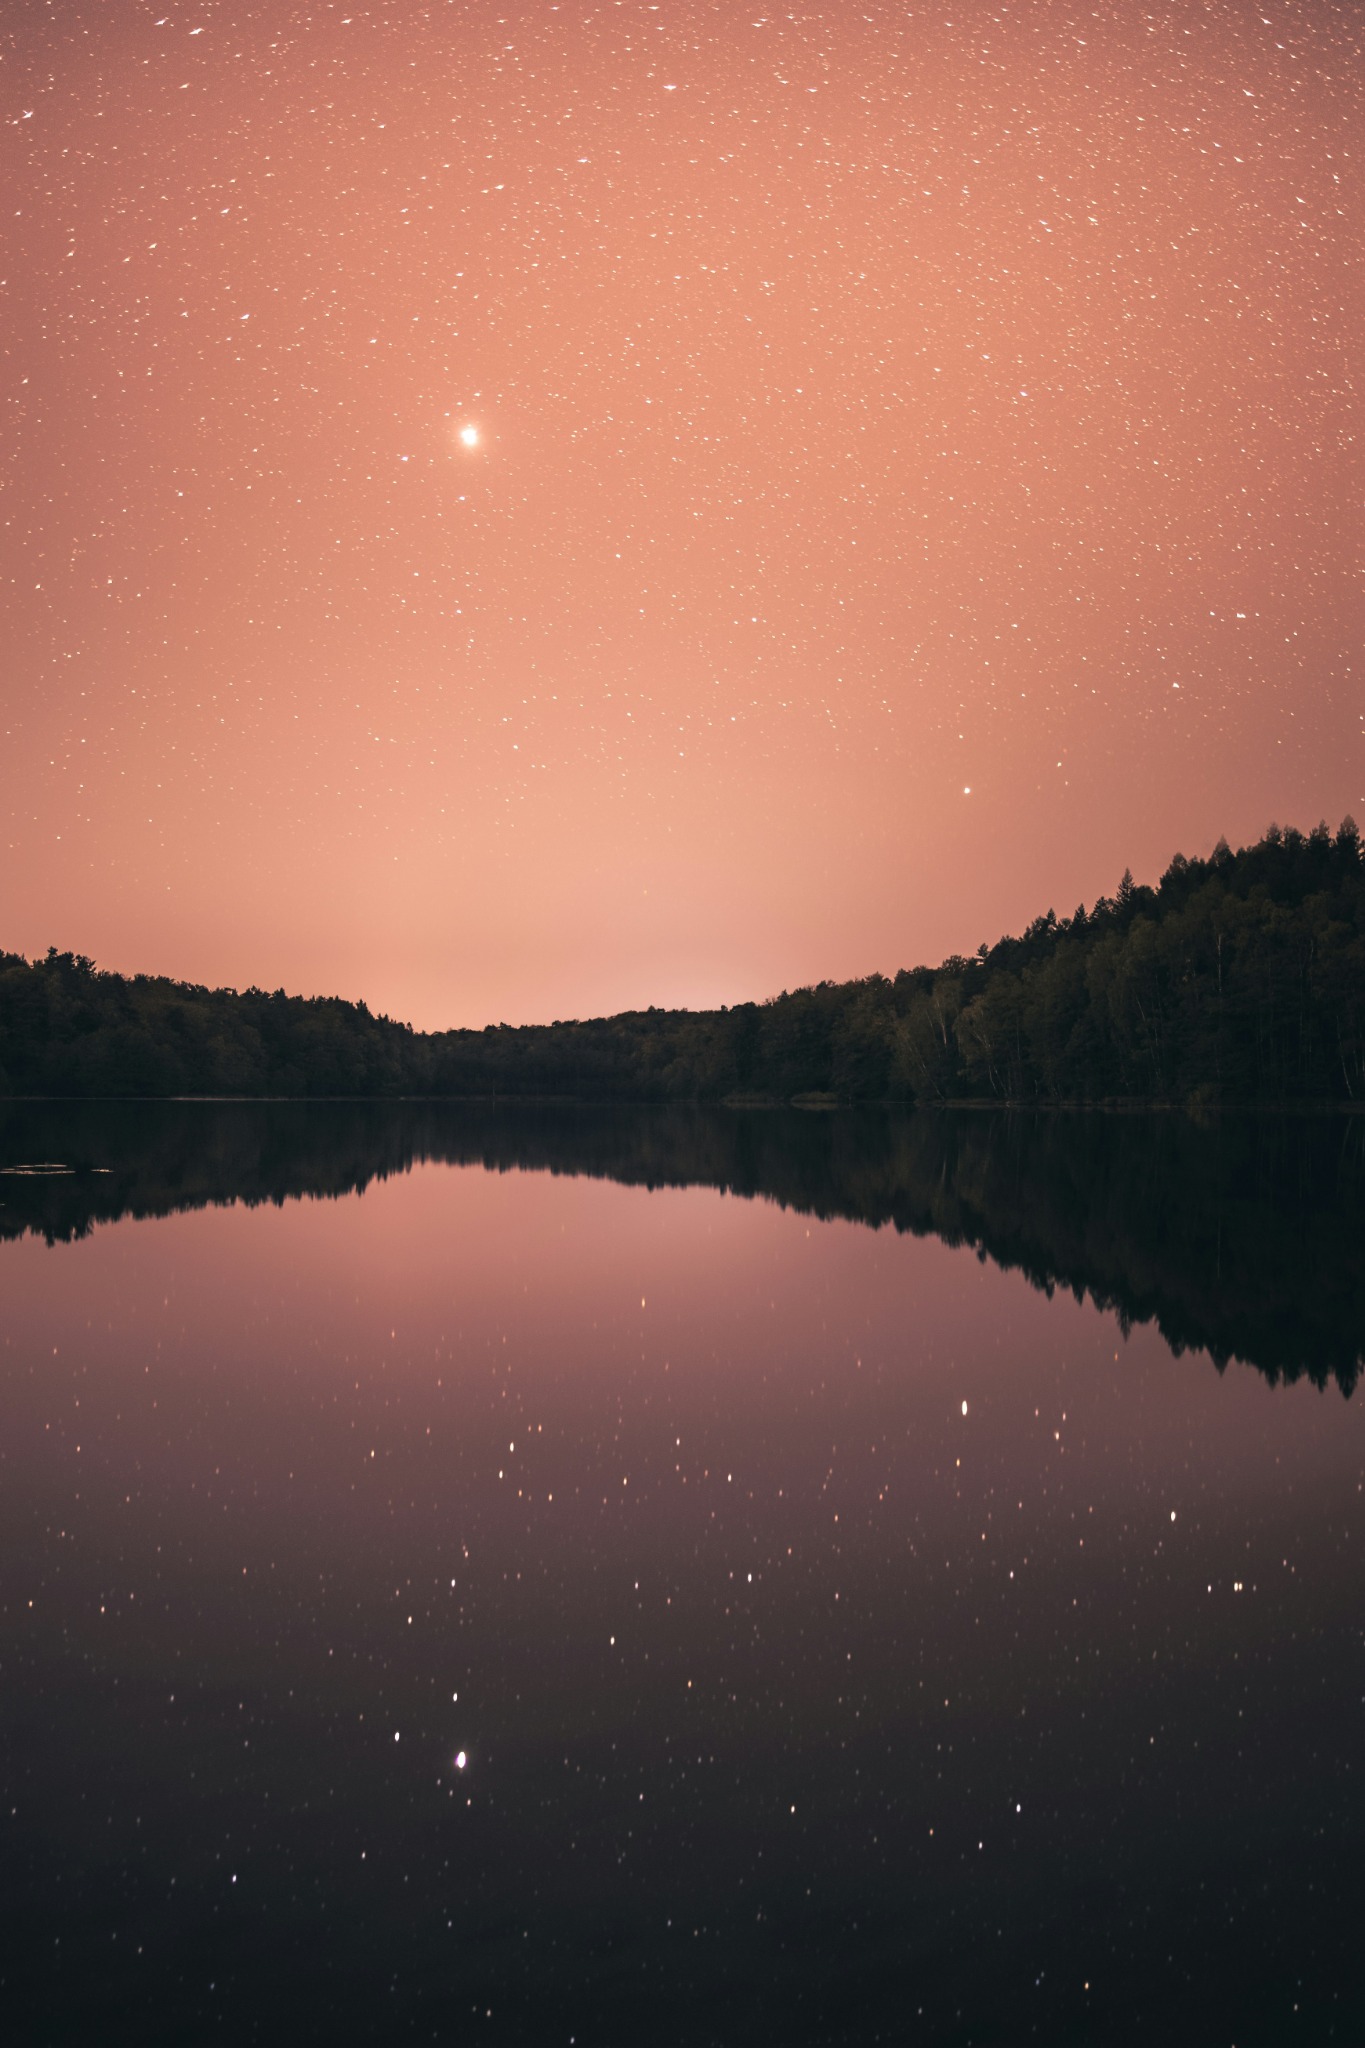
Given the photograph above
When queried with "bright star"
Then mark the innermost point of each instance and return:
(470, 436)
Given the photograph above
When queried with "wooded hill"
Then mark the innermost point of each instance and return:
(1240, 978)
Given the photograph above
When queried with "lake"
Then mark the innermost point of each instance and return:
(566, 1576)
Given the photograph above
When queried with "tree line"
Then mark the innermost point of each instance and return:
(1240, 978)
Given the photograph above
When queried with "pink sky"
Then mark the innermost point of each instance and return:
(914, 479)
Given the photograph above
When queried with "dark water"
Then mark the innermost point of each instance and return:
(847, 1638)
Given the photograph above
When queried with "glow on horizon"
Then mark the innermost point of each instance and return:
(904, 397)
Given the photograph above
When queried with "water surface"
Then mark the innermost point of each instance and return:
(847, 1637)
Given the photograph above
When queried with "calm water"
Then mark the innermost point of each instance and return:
(569, 1578)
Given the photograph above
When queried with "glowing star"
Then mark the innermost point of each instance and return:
(461, 1760)
(469, 437)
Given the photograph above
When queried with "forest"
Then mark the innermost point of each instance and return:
(1237, 979)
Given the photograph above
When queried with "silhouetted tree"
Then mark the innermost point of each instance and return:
(1238, 978)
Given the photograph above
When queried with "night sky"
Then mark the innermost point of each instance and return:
(511, 512)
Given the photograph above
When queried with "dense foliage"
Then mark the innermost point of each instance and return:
(67, 1029)
(1238, 978)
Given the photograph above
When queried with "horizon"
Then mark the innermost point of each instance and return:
(641, 1009)
(530, 517)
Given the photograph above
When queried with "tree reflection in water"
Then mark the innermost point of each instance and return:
(1237, 1235)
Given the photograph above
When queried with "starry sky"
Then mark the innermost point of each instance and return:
(519, 511)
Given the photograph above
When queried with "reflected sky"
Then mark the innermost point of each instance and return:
(845, 1640)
